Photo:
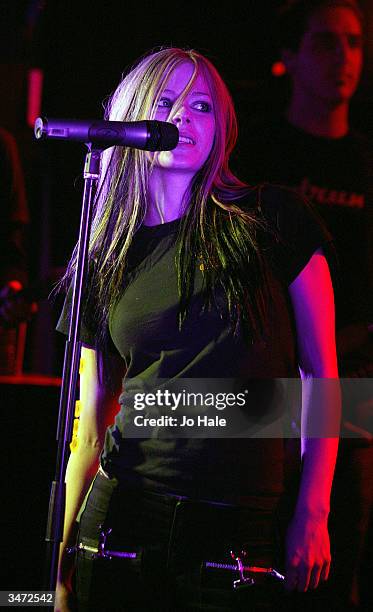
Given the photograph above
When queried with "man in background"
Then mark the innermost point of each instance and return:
(313, 149)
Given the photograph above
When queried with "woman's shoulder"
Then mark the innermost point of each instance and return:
(271, 197)
(293, 230)
(283, 208)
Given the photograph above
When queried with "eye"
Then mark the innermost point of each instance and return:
(165, 103)
(355, 41)
(325, 41)
(204, 107)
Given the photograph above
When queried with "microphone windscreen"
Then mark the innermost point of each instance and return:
(164, 136)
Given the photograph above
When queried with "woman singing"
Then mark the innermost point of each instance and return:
(193, 275)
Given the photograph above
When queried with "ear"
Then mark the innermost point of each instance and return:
(289, 59)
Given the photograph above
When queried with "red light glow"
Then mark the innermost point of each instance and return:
(278, 69)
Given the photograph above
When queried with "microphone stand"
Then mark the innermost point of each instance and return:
(56, 513)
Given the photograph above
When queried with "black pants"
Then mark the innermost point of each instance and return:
(172, 538)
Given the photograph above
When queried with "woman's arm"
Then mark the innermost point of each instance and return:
(308, 548)
(97, 406)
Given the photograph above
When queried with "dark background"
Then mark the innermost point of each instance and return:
(82, 49)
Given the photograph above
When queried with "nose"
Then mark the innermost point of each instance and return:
(181, 116)
(343, 50)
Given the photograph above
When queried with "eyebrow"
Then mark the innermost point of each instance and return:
(194, 93)
(318, 33)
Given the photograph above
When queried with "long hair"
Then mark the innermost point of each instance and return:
(215, 227)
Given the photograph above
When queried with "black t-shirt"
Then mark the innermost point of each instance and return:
(335, 175)
(144, 329)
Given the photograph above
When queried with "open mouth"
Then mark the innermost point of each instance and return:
(186, 140)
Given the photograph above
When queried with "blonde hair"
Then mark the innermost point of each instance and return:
(125, 171)
(122, 196)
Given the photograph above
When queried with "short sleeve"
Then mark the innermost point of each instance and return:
(297, 232)
(87, 334)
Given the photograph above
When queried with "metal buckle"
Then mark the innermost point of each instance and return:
(100, 551)
(243, 581)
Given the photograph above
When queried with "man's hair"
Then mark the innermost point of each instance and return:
(295, 14)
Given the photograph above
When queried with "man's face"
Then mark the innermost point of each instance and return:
(328, 63)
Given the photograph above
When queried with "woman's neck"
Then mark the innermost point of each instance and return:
(167, 190)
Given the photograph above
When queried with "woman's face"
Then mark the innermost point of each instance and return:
(195, 120)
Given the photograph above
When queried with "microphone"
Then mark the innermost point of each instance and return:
(147, 135)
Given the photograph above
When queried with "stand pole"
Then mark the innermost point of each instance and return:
(54, 532)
